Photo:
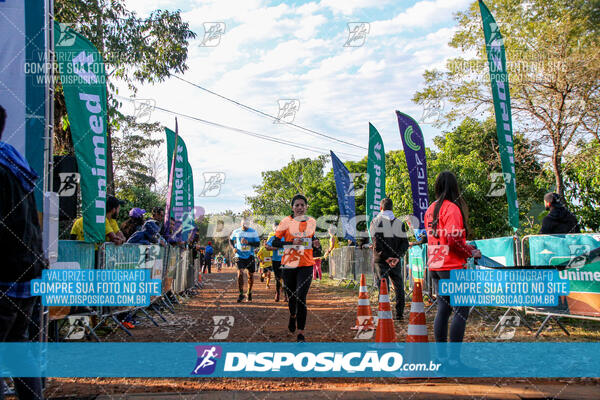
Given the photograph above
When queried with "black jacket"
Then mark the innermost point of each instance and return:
(389, 239)
(559, 220)
(20, 235)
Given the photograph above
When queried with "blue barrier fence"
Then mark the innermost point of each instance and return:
(174, 266)
(347, 263)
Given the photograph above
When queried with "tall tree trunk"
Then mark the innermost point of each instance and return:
(556, 164)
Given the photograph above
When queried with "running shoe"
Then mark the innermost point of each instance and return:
(300, 338)
(128, 325)
(277, 297)
(249, 296)
(240, 298)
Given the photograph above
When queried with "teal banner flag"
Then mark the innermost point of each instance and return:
(494, 44)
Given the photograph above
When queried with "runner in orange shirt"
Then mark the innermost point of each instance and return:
(296, 234)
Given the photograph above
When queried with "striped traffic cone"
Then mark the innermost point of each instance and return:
(385, 326)
(364, 318)
(417, 328)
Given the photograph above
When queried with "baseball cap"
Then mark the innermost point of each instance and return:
(136, 212)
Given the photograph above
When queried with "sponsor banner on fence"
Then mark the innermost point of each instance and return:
(273, 360)
(584, 278)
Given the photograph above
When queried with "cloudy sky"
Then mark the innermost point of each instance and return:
(272, 51)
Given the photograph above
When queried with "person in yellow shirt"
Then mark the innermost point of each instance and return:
(265, 256)
(334, 243)
(113, 233)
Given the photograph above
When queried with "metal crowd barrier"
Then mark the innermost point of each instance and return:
(172, 265)
(583, 302)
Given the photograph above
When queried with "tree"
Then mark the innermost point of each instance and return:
(130, 147)
(582, 185)
(553, 60)
(302, 176)
(135, 51)
(470, 151)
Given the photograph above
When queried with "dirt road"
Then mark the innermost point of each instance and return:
(332, 311)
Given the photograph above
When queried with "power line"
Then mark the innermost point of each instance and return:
(306, 130)
(253, 134)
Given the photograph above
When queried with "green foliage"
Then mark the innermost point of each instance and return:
(582, 184)
(138, 196)
(553, 61)
(130, 148)
(470, 151)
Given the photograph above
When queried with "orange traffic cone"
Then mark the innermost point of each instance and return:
(417, 328)
(364, 318)
(385, 326)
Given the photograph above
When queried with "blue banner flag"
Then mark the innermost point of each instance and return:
(345, 194)
(414, 151)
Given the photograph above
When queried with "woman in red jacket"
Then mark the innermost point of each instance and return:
(447, 249)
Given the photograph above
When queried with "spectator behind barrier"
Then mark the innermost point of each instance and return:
(559, 219)
(113, 233)
(149, 234)
(22, 255)
(134, 222)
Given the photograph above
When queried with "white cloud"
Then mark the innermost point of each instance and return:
(424, 14)
(286, 51)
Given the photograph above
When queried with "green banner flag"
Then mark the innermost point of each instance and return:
(375, 174)
(182, 197)
(494, 45)
(84, 85)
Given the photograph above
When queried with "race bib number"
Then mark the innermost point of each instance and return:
(307, 243)
(267, 259)
(246, 247)
(280, 252)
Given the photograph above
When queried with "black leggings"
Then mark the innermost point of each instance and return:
(277, 271)
(459, 321)
(296, 282)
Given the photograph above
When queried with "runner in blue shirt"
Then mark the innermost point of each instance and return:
(276, 259)
(244, 240)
